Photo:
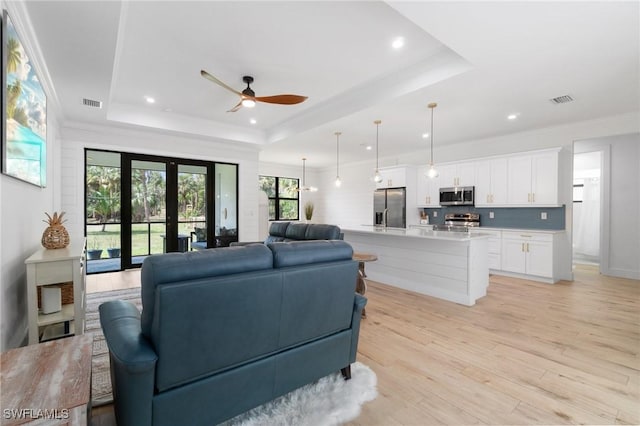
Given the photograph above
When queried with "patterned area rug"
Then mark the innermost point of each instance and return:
(101, 376)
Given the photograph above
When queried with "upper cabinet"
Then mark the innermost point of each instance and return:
(459, 174)
(518, 180)
(427, 189)
(491, 182)
(533, 179)
(393, 177)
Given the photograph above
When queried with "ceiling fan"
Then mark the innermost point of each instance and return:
(248, 97)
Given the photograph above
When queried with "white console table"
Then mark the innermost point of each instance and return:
(55, 266)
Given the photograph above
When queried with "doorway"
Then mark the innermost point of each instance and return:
(587, 207)
(138, 205)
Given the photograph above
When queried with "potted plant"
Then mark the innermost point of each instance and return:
(93, 252)
(114, 249)
(308, 210)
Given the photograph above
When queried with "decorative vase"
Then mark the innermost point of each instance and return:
(56, 235)
(113, 252)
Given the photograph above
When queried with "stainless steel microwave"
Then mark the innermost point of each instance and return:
(457, 196)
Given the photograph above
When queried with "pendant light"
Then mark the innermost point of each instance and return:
(304, 186)
(377, 177)
(432, 173)
(338, 181)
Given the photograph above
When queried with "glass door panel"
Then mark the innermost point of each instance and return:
(192, 207)
(148, 209)
(102, 206)
(226, 202)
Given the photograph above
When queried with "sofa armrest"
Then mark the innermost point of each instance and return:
(133, 363)
(358, 305)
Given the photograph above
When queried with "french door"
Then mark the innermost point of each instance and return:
(164, 205)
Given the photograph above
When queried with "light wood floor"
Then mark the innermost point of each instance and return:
(528, 353)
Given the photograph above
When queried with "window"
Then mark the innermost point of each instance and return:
(283, 197)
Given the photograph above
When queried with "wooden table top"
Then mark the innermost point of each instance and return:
(54, 375)
(364, 257)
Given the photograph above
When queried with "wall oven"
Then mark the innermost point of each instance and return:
(457, 196)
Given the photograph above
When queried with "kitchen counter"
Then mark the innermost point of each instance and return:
(415, 233)
(448, 265)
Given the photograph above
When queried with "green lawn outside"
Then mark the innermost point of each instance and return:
(110, 237)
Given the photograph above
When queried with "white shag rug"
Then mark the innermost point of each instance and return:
(329, 401)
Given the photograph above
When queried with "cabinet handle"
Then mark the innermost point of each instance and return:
(533, 197)
(492, 198)
(488, 198)
(527, 247)
(529, 197)
(525, 236)
(522, 249)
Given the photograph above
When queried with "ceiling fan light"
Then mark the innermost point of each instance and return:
(248, 103)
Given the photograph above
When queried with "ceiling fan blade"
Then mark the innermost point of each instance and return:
(282, 99)
(218, 82)
(237, 107)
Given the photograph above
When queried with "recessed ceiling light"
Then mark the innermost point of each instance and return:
(253, 121)
(425, 135)
(369, 147)
(398, 42)
(512, 116)
(149, 99)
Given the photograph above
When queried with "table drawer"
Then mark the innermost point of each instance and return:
(54, 272)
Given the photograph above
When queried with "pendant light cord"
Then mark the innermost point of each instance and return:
(338, 154)
(431, 138)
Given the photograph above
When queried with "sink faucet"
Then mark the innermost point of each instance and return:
(384, 217)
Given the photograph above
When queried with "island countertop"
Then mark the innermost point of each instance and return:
(415, 233)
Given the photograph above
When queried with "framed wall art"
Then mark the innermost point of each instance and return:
(24, 112)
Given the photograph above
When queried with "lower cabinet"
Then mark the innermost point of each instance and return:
(529, 253)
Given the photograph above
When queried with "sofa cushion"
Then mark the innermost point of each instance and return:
(296, 231)
(278, 229)
(180, 267)
(305, 252)
(322, 232)
(273, 239)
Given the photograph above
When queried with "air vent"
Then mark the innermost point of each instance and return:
(91, 103)
(562, 99)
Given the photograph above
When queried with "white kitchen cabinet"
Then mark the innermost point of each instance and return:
(533, 179)
(529, 253)
(427, 189)
(457, 174)
(395, 177)
(491, 182)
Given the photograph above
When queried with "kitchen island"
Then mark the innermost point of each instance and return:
(448, 265)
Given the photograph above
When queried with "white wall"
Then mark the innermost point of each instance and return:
(620, 224)
(22, 208)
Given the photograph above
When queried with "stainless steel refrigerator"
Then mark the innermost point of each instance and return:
(391, 203)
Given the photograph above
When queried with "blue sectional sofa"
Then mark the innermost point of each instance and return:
(225, 330)
(297, 231)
